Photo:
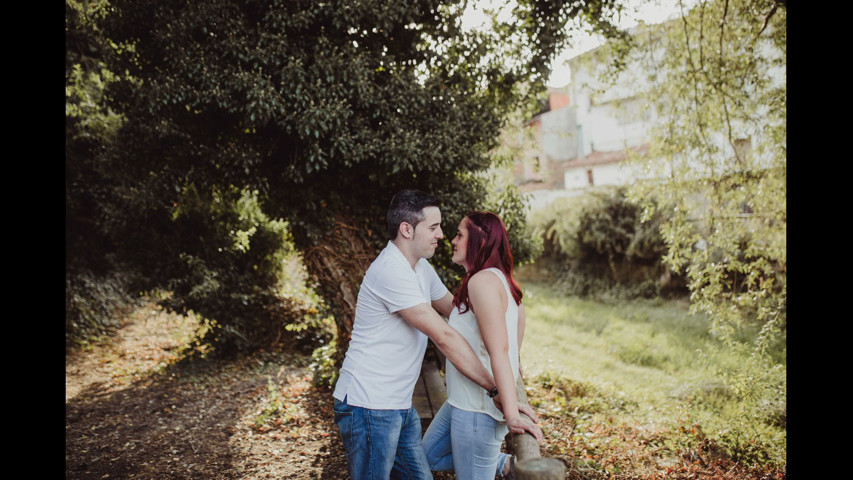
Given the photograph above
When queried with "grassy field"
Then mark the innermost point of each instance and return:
(650, 363)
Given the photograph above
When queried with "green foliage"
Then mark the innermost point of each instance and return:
(717, 81)
(599, 244)
(95, 288)
(231, 269)
(322, 111)
(314, 105)
(759, 405)
(746, 440)
(323, 367)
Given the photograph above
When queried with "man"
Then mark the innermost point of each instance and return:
(394, 315)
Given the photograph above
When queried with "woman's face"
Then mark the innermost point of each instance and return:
(460, 243)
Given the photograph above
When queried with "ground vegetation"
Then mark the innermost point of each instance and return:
(138, 407)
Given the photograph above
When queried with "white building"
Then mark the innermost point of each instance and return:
(577, 145)
(583, 134)
(587, 129)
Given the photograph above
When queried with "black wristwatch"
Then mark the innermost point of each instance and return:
(493, 392)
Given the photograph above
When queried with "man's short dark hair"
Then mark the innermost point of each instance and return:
(408, 206)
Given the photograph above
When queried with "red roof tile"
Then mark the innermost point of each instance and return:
(603, 158)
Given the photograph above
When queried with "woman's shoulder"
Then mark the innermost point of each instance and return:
(487, 277)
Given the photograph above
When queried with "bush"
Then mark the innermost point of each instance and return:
(599, 245)
(232, 271)
(323, 367)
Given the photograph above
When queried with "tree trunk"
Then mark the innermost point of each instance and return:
(336, 266)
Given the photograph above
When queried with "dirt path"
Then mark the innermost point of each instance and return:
(133, 413)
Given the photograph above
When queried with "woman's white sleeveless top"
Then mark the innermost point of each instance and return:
(461, 391)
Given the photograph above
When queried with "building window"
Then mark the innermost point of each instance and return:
(589, 176)
(743, 147)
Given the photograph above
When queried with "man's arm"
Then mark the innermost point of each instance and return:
(444, 305)
(450, 342)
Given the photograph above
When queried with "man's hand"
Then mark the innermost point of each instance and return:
(449, 342)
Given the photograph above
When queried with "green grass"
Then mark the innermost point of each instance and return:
(654, 364)
(628, 347)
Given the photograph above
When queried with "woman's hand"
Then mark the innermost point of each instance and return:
(528, 410)
(522, 408)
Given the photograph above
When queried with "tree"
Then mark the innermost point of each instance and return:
(717, 78)
(316, 111)
(93, 288)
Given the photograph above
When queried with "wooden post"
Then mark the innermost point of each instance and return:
(529, 464)
(540, 469)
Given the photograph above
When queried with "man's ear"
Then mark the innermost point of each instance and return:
(406, 230)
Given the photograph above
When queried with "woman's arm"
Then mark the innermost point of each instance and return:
(488, 299)
(522, 318)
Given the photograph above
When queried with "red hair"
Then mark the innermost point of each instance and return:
(487, 246)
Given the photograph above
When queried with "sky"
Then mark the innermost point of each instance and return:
(650, 11)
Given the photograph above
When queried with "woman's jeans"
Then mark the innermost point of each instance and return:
(382, 444)
(464, 442)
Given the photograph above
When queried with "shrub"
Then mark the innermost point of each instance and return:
(323, 366)
(600, 246)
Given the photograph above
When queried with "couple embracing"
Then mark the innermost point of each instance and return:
(399, 307)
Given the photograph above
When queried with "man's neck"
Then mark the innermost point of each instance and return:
(403, 245)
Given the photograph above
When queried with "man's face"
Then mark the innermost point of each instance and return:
(427, 233)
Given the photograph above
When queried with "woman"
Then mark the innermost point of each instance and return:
(466, 434)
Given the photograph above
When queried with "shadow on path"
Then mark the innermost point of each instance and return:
(194, 420)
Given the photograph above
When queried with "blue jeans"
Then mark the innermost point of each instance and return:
(382, 444)
(464, 442)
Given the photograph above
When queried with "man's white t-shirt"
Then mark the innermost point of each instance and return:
(384, 357)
